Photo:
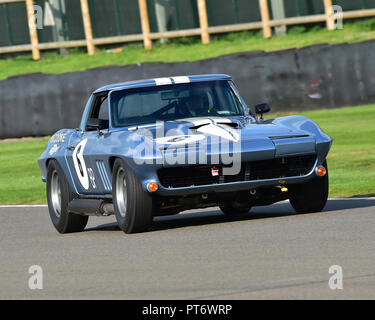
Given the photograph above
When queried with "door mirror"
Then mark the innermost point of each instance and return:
(96, 124)
(262, 108)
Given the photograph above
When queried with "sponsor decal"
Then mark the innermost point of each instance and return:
(58, 138)
(53, 150)
(215, 171)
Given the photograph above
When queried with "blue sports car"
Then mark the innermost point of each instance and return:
(160, 146)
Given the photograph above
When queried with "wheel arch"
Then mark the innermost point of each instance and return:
(111, 162)
(65, 170)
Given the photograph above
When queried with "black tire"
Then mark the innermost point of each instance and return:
(230, 210)
(133, 206)
(58, 197)
(311, 196)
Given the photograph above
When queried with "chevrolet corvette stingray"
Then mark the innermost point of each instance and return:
(161, 146)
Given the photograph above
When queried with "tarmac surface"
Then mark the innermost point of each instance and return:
(270, 253)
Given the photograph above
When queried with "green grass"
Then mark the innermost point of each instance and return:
(351, 160)
(187, 49)
(20, 177)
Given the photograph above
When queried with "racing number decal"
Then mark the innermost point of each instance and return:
(80, 165)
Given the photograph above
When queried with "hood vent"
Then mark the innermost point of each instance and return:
(289, 137)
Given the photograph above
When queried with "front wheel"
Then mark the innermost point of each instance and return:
(58, 197)
(310, 196)
(133, 206)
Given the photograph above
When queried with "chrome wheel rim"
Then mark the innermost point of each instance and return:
(121, 195)
(56, 193)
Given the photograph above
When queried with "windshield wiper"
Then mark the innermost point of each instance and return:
(141, 126)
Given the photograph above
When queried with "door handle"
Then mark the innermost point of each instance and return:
(71, 147)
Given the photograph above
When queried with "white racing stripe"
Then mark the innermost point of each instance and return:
(176, 80)
(181, 80)
(163, 81)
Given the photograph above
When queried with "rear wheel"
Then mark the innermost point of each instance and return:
(311, 196)
(58, 197)
(133, 206)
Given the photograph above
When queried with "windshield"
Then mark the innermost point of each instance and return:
(171, 102)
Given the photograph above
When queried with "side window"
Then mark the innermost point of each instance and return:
(103, 110)
(99, 111)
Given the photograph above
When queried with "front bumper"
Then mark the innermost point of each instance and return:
(236, 186)
(320, 150)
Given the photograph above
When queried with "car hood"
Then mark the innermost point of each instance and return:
(190, 130)
(218, 135)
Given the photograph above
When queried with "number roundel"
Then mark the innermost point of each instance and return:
(80, 165)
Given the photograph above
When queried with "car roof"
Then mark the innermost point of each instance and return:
(162, 81)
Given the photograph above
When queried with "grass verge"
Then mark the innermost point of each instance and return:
(351, 160)
(20, 177)
(188, 49)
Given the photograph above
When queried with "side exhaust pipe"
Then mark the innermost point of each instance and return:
(107, 209)
(91, 207)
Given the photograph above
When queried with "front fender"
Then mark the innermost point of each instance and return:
(55, 149)
(301, 123)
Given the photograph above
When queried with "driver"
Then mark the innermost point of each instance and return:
(194, 106)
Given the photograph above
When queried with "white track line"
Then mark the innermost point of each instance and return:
(44, 205)
(23, 206)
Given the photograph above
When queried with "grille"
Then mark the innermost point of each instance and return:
(198, 175)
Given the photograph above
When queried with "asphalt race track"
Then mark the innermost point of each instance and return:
(271, 253)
